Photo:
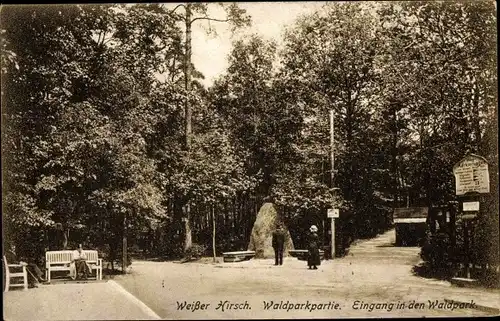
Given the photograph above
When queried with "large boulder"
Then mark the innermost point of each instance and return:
(262, 233)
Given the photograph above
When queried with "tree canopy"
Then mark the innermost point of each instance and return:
(107, 127)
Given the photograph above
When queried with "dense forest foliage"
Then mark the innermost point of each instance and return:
(109, 137)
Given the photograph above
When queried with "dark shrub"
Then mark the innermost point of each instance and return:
(437, 254)
(195, 252)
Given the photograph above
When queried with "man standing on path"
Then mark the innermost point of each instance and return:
(278, 244)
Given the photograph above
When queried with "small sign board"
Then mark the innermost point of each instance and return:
(471, 175)
(333, 213)
(471, 206)
(468, 216)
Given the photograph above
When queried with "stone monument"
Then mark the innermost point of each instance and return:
(262, 233)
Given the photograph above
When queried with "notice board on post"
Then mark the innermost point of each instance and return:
(471, 175)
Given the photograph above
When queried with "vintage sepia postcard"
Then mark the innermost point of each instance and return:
(250, 160)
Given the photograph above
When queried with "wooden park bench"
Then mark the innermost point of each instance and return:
(21, 272)
(238, 256)
(60, 261)
(302, 254)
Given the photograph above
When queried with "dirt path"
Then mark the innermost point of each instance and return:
(375, 273)
(381, 249)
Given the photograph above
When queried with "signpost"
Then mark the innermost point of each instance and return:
(471, 180)
(332, 214)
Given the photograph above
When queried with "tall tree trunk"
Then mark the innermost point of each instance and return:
(187, 77)
(419, 185)
(213, 233)
(349, 152)
(188, 238)
(476, 119)
(224, 215)
(112, 254)
(124, 244)
(188, 113)
(394, 158)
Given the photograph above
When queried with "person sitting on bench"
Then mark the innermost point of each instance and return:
(79, 267)
(35, 275)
